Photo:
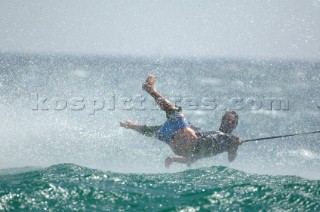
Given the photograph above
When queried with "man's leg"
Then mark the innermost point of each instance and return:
(177, 159)
(163, 103)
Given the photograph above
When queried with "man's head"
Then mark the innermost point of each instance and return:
(229, 122)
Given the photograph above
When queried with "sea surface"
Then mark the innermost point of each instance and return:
(61, 146)
(71, 187)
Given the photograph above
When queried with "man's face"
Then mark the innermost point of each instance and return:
(230, 121)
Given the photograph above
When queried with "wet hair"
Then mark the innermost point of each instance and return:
(224, 128)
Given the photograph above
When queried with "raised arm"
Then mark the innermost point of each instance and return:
(143, 129)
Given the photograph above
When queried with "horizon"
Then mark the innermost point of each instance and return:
(160, 57)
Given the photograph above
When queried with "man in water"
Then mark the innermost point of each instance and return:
(186, 141)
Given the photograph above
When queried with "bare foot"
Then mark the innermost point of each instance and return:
(168, 162)
(128, 124)
(149, 84)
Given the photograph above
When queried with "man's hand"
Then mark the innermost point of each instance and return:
(129, 124)
(237, 140)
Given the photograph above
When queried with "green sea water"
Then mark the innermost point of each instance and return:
(70, 187)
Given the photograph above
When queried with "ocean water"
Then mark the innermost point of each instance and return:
(61, 146)
(71, 187)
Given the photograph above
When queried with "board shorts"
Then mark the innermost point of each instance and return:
(175, 121)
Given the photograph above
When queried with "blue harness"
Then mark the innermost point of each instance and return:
(175, 122)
